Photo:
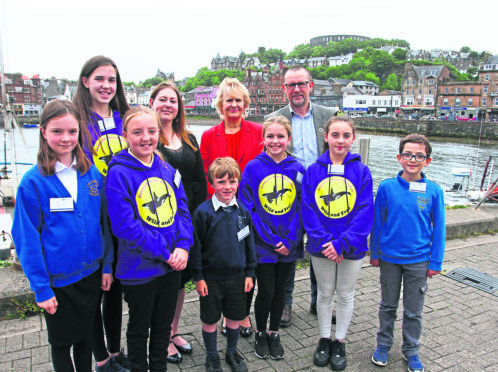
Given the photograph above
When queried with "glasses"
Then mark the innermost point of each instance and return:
(418, 157)
(300, 85)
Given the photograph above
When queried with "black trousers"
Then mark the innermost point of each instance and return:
(151, 311)
(109, 317)
(270, 300)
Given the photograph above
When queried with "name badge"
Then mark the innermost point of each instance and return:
(178, 178)
(299, 177)
(336, 169)
(243, 233)
(418, 187)
(61, 204)
(107, 124)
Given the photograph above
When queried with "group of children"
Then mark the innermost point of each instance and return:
(65, 209)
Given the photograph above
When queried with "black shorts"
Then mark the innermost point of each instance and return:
(225, 296)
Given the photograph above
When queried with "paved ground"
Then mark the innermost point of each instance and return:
(459, 325)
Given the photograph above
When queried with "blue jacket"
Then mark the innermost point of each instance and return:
(338, 207)
(409, 227)
(272, 193)
(107, 140)
(149, 216)
(57, 249)
(221, 251)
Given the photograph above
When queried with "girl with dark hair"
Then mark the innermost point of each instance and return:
(101, 102)
(180, 149)
(59, 238)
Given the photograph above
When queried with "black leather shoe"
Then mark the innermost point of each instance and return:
(322, 353)
(175, 358)
(236, 362)
(246, 331)
(185, 349)
(286, 316)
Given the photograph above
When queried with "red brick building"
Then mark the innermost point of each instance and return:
(23, 91)
(265, 90)
(459, 99)
(488, 77)
(419, 88)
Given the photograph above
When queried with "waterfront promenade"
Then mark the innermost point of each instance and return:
(459, 333)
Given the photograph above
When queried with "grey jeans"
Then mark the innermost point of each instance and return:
(340, 280)
(414, 279)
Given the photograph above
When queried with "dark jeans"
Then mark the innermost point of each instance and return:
(110, 318)
(272, 278)
(151, 309)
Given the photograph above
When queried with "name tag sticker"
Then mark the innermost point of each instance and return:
(178, 178)
(243, 233)
(336, 169)
(107, 124)
(299, 177)
(418, 187)
(61, 204)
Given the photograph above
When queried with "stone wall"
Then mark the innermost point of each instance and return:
(430, 128)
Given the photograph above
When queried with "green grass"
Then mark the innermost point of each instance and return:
(24, 309)
(449, 207)
(5, 263)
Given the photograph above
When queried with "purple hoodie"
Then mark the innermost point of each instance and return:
(149, 216)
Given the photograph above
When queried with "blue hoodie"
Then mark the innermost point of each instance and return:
(107, 140)
(338, 208)
(409, 226)
(149, 216)
(272, 193)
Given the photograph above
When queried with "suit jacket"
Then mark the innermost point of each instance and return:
(321, 115)
(214, 145)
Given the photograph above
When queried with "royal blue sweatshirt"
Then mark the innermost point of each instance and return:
(107, 140)
(223, 243)
(59, 248)
(409, 227)
(149, 216)
(272, 193)
(337, 207)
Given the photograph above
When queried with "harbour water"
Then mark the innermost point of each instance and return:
(447, 155)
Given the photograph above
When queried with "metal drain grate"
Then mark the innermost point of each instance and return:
(474, 278)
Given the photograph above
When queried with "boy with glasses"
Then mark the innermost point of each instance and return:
(407, 243)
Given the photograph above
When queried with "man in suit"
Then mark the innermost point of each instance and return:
(308, 121)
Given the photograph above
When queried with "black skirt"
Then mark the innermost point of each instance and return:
(77, 303)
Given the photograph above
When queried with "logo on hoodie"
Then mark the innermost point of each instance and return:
(335, 197)
(276, 194)
(105, 148)
(156, 202)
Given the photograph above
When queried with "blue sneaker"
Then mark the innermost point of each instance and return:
(414, 363)
(380, 355)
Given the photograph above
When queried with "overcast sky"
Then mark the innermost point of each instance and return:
(55, 37)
